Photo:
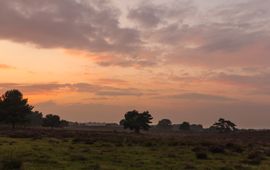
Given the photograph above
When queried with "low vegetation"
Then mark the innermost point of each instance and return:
(69, 149)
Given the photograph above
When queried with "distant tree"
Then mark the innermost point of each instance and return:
(121, 123)
(224, 126)
(64, 123)
(14, 109)
(164, 124)
(184, 126)
(196, 127)
(51, 121)
(35, 118)
(136, 121)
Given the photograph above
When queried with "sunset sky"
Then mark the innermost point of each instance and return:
(186, 60)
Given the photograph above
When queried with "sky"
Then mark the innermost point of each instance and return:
(185, 60)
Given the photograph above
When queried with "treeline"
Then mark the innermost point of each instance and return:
(136, 121)
(15, 111)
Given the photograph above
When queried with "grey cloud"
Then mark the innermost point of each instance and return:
(98, 90)
(85, 25)
(202, 97)
(224, 34)
(119, 92)
(151, 15)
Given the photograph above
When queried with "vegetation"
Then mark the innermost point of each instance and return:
(165, 124)
(184, 126)
(15, 110)
(137, 121)
(224, 126)
(57, 149)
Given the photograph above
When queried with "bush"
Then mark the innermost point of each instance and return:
(11, 163)
(201, 155)
(255, 158)
(217, 149)
(234, 147)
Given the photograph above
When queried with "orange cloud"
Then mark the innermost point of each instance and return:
(4, 66)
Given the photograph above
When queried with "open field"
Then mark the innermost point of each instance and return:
(37, 149)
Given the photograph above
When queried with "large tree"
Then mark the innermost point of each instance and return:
(137, 121)
(224, 126)
(14, 109)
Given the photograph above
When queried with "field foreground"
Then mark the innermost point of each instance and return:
(37, 149)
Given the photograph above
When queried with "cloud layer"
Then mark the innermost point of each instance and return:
(178, 32)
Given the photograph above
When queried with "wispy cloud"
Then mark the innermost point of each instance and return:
(4, 66)
(202, 97)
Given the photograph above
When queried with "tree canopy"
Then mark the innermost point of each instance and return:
(165, 124)
(14, 109)
(224, 126)
(184, 126)
(51, 121)
(137, 121)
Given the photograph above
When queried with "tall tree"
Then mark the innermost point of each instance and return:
(137, 121)
(14, 109)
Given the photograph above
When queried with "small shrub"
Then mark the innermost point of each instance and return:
(226, 168)
(199, 149)
(11, 163)
(94, 167)
(234, 147)
(149, 144)
(201, 155)
(77, 157)
(255, 158)
(189, 167)
(217, 149)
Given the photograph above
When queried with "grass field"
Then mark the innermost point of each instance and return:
(38, 149)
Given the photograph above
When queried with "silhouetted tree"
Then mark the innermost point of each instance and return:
(136, 121)
(14, 109)
(196, 127)
(35, 118)
(184, 126)
(64, 123)
(51, 121)
(164, 124)
(224, 126)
